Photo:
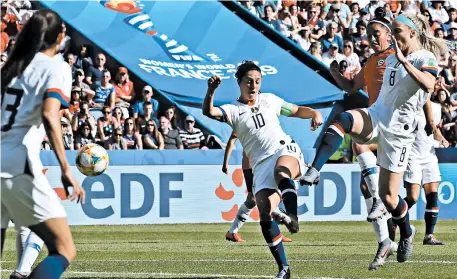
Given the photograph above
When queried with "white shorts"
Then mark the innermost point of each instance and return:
(28, 201)
(264, 177)
(423, 171)
(393, 151)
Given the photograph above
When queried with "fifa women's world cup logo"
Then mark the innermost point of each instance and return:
(142, 22)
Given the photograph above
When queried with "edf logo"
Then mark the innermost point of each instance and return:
(126, 210)
(340, 195)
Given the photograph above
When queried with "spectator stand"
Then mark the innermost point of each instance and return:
(182, 95)
(289, 45)
(77, 39)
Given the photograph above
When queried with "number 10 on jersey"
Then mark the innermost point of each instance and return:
(259, 122)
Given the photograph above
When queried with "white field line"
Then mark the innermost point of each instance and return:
(196, 275)
(251, 260)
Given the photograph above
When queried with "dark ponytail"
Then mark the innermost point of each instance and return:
(380, 18)
(39, 33)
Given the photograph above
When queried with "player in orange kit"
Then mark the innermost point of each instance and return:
(371, 77)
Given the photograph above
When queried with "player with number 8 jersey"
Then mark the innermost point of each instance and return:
(275, 158)
(392, 121)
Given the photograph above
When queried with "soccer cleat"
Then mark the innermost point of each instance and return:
(311, 177)
(234, 237)
(378, 210)
(405, 247)
(385, 250)
(286, 239)
(17, 275)
(431, 240)
(289, 221)
(284, 273)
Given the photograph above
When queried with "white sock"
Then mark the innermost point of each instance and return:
(31, 251)
(380, 226)
(370, 172)
(241, 217)
(21, 238)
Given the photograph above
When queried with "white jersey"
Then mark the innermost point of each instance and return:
(257, 126)
(424, 146)
(401, 100)
(21, 121)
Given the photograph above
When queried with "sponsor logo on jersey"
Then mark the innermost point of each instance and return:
(381, 62)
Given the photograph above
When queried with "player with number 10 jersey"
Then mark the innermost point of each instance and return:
(275, 158)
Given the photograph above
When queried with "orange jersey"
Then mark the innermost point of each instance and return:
(373, 73)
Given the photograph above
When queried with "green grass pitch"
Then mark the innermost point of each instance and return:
(320, 250)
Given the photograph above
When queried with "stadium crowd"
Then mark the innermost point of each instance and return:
(107, 108)
(336, 30)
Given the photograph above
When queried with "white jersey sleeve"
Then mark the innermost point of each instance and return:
(427, 62)
(58, 84)
(230, 114)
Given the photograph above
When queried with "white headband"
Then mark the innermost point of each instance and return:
(380, 22)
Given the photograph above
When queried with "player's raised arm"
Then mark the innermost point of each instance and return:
(51, 121)
(431, 127)
(291, 110)
(426, 76)
(228, 152)
(54, 100)
(208, 105)
(350, 86)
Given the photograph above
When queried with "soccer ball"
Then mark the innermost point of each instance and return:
(92, 159)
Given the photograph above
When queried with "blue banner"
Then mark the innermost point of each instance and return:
(144, 187)
(177, 46)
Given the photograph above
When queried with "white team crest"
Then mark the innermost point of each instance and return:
(381, 62)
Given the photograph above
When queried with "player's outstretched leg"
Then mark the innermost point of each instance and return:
(31, 251)
(241, 217)
(267, 201)
(285, 170)
(245, 210)
(331, 141)
(431, 213)
(370, 173)
(21, 239)
(281, 213)
(386, 247)
(431, 173)
(57, 236)
(391, 223)
(431, 217)
(389, 187)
